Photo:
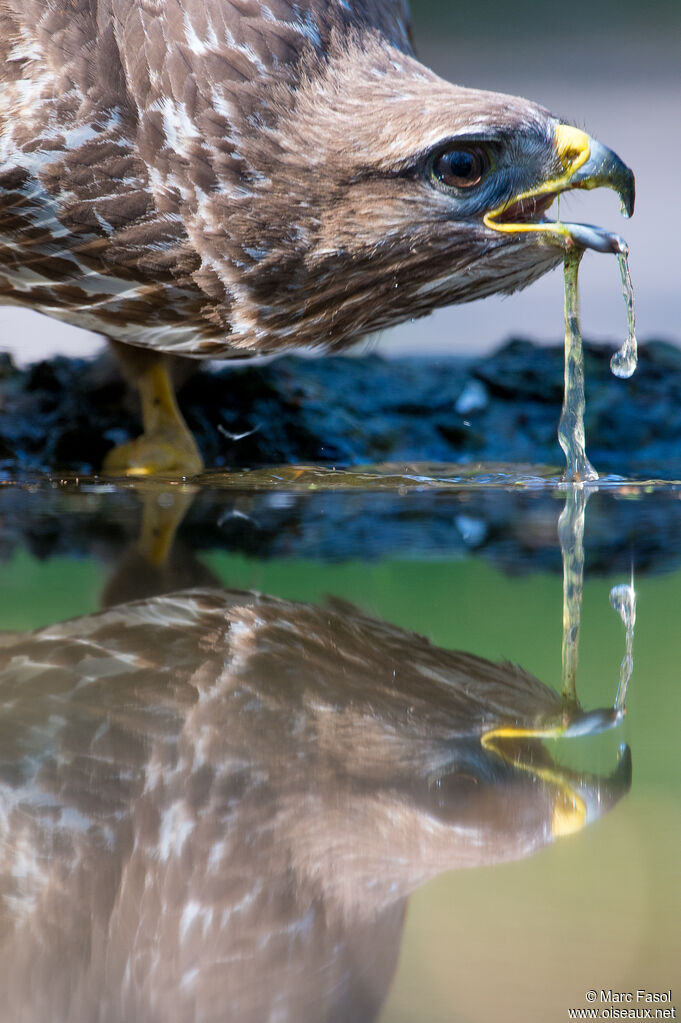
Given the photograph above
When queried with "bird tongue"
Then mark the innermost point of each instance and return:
(530, 211)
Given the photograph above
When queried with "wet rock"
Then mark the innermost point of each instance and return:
(61, 415)
(521, 371)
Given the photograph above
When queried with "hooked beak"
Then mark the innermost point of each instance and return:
(584, 163)
(582, 798)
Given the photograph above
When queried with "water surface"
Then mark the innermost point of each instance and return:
(255, 787)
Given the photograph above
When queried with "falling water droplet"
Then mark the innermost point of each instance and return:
(623, 600)
(623, 362)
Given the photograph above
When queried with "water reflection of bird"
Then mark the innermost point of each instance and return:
(214, 805)
(235, 177)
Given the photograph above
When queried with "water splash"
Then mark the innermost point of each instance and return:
(623, 600)
(623, 362)
(571, 426)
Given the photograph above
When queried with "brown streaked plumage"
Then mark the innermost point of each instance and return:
(229, 177)
(215, 804)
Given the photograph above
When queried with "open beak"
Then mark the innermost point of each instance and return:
(584, 163)
(582, 798)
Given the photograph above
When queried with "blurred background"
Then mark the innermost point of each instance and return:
(611, 67)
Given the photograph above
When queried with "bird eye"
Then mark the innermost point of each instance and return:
(463, 167)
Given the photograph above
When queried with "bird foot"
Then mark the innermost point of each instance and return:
(166, 448)
(164, 452)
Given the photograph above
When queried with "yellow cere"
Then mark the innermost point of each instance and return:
(573, 147)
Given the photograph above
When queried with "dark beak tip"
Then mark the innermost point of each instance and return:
(617, 784)
(627, 195)
(620, 779)
(604, 168)
(624, 767)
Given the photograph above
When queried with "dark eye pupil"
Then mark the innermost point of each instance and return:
(461, 164)
(460, 168)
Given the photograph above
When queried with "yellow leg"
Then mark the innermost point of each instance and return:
(151, 565)
(166, 447)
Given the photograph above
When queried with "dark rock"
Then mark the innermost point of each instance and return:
(60, 415)
(521, 371)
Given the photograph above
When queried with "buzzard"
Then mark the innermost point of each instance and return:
(220, 178)
(215, 805)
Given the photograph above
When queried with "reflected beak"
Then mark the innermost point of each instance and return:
(583, 798)
(584, 163)
(580, 797)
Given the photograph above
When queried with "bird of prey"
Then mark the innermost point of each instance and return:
(215, 804)
(220, 178)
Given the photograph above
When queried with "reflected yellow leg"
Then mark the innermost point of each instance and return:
(166, 446)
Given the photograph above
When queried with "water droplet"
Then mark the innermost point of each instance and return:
(623, 362)
(623, 600)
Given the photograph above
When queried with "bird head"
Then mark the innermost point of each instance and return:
(373, 191)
